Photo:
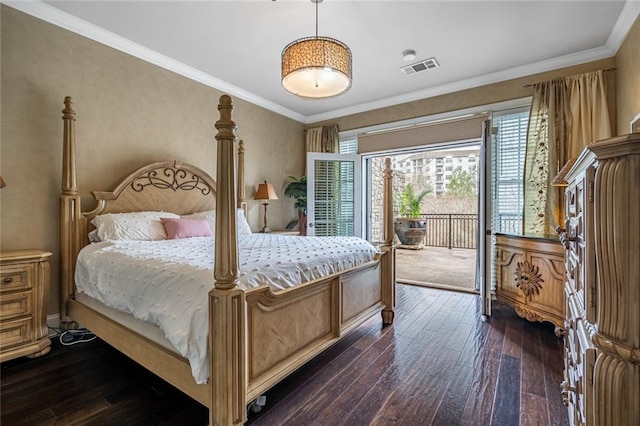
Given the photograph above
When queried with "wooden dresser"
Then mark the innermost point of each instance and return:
(24, 293)
(602, 290)
(529, 277)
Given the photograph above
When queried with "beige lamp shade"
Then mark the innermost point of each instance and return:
(316, 67)
(265, 192)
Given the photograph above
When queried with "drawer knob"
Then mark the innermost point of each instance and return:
(8, 280)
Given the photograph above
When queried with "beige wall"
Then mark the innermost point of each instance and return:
(628, 72)
(129, 112)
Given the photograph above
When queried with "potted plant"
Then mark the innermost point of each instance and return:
(297, 189)
(410, 228)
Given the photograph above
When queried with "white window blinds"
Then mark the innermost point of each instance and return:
(348, 146)
(508, 166)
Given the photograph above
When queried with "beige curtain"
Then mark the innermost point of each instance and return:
(566, 115)
(589, 113)
(323, 139)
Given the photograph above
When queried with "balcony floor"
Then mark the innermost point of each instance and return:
(439, 267)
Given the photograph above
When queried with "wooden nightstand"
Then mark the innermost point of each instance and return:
(24, 293)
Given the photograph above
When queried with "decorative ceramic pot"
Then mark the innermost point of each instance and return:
(410, 231)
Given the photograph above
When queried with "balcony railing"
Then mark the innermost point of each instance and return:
(451, 230)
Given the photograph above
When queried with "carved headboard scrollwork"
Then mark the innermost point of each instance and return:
(170, 186)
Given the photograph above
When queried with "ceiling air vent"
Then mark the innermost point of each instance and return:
(427, 64)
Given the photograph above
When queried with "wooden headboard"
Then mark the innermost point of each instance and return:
(170, 186)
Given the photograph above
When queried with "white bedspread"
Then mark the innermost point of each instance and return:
(166, 283)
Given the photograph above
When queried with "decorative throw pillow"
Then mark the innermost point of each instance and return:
(209, 215)
(131, 226)
(185, 228)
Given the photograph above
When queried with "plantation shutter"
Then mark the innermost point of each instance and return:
(508, 159)
(333, 199)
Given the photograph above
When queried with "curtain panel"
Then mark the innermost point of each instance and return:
(566, 115)
(323, 139)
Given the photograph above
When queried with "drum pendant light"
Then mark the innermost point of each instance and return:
(316, 67)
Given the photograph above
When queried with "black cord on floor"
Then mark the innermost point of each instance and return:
(72, 337)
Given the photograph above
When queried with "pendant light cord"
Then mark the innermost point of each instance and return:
(317, 18)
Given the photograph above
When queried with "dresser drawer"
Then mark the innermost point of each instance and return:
(16, 277)
(579, 363)
(14, 333)
(14, 305)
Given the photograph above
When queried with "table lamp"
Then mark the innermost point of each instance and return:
(265, 192)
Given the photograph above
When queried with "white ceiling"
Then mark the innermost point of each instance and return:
(235, 46)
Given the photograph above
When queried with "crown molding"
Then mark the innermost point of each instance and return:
(630, 12)
(45, 12)
(470, 83)
(76, 25)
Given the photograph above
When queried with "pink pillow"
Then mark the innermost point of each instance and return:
(186, 228)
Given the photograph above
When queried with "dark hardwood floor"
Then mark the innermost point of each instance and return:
(439, 364)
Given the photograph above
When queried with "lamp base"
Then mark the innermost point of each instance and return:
(265, 229)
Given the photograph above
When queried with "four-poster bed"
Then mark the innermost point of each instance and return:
(243, 323)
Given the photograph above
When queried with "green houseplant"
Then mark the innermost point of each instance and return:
(297, 189)
(410, 227)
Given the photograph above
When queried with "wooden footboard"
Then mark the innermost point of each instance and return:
(257, 337)
(287, 329)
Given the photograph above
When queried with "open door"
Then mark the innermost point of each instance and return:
(334, 200)
(483, 270)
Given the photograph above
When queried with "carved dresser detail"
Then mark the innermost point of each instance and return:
(529, 277)
(602, 257)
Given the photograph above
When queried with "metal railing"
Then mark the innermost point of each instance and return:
(451, 230)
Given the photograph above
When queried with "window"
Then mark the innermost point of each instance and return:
(508, 165)
(348, 146)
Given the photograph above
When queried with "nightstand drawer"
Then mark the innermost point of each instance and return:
(15, 305)
(16, 277)
(13, 333)
(24, 293)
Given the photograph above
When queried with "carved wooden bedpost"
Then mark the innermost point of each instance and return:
(70, 210)
(227, 346)
(242, 204)
(388, 248)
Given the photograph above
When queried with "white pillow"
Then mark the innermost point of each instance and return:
(210, 215)
(243, 225)
(131, 226)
